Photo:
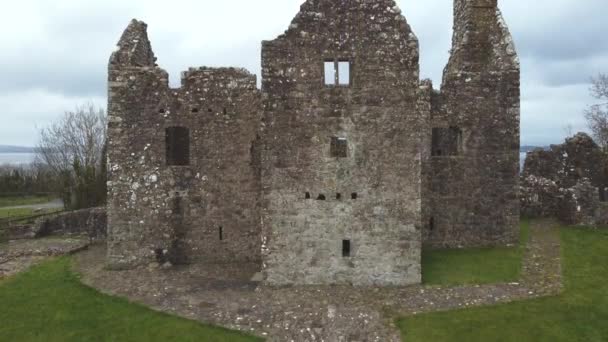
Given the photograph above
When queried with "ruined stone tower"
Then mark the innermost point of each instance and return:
(472, 171)
(338, 170)
(184, 172)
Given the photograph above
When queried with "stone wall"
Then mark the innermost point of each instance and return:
(87, 222)
(568, 181)
(183, 163)
(370, 196)
(471, 174)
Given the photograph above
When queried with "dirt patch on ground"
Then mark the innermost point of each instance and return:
(225, 295)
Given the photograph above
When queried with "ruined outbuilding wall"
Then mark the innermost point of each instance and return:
(205, 211)
(472, 173)
(371, 196)
(568, 181)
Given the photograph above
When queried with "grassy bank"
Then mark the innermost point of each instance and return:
(48, 303)
(579, 314)
(12, 201)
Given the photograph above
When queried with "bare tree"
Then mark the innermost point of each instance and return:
(73, 148)
(79, 135)
(597, 114)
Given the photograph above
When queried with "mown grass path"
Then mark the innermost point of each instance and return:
(579, 313)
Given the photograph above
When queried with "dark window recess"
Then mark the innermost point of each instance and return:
(432, 224)
(177, 141)
(446, 142)
(338, 196)
(603, 194)
(225, 111)
(339, 147)
(194, 110)
(162, 110)
(210, 110)
(321, 197)
(307, 195)
(221, 233)
(346, 248)
(354, 195)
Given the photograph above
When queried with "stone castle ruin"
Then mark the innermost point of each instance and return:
(338, 170)
(567, 181)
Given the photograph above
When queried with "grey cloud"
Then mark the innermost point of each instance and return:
(60, 57)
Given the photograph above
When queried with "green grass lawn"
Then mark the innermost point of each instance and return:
(48, 303)
(24, 200)
(579, 314)
(474, 266)
(20, 212)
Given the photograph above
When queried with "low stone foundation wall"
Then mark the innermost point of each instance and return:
(87, 222)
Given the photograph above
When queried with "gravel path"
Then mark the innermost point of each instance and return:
(19, 255)
(224, 295)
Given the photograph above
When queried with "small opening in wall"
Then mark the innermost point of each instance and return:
(346, 248)
(177, 141)
(330, 73)
(344, 72)
(354, 195)
(194, 110)
(338, 196)
(307, 195)
(225, 111)
(339, 147)
(221, 233)
(446, 141)
(602, 194)
(432, 224)
(321, 197)
(162, 110)
(210, 110)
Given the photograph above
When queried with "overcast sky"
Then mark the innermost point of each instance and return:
(54, 53)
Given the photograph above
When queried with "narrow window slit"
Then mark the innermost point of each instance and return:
(221, 233)
(346, 248)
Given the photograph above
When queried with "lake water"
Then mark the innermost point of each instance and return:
(26, 158)
(16, 158)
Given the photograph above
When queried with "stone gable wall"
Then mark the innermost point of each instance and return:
(377, 115)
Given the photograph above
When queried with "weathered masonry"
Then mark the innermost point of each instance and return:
(338, 170)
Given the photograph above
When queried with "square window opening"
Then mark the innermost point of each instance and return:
(177, 143)
(339, 147)
(446, 142)
(346, 248)
(338, 196)
(354, 195)
(307, 195)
